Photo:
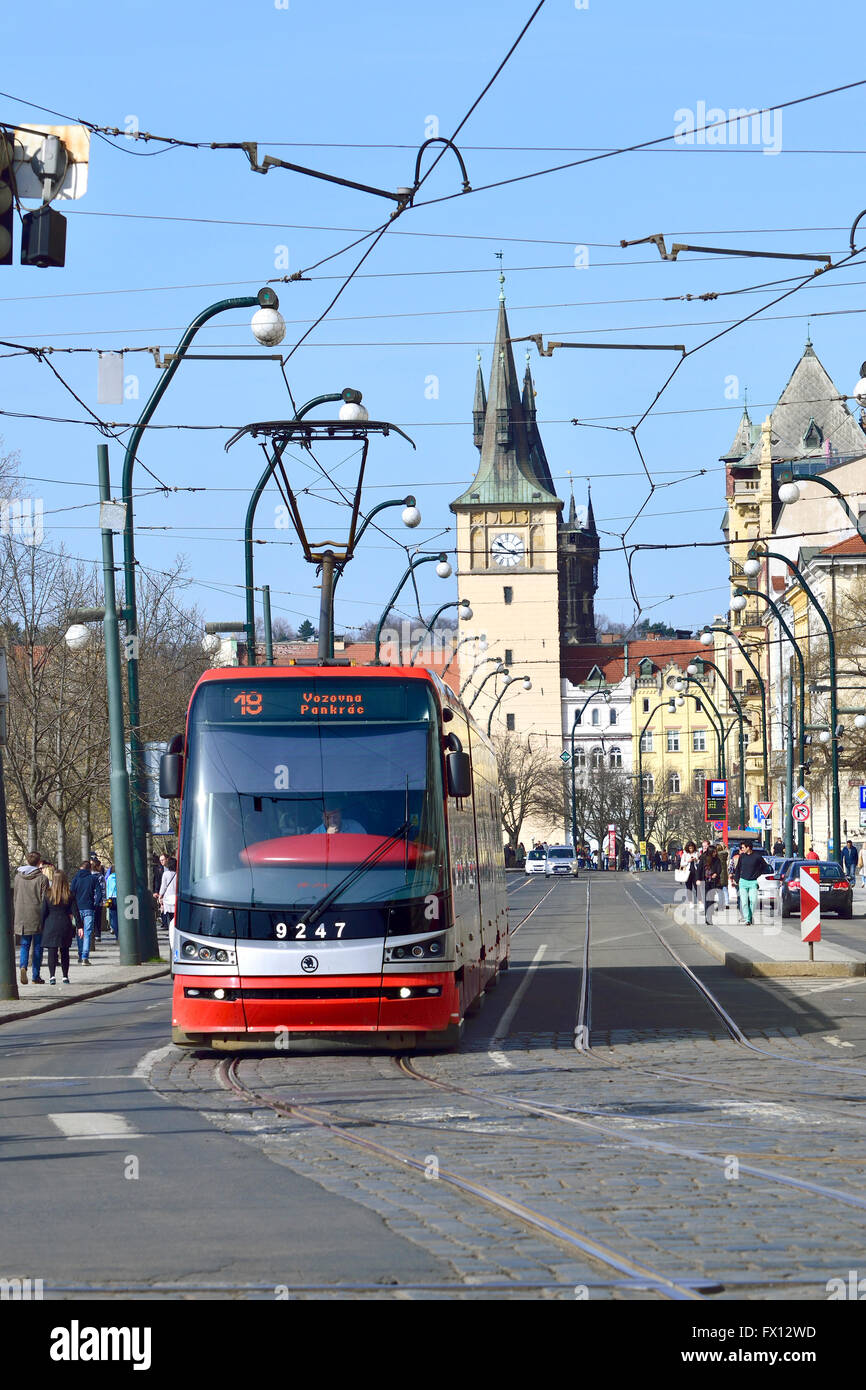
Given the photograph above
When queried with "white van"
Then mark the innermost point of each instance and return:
(561, 859)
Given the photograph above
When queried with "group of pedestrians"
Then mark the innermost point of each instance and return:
(50, 913)
(710, 872)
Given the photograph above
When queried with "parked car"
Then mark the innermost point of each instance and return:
(837, 893)
(768, 884)
(561, 859)
(536, 862)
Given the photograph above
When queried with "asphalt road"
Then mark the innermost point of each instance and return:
(126, 1162)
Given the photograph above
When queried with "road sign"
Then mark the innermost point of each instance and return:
(565, 756)
(863, 820)
(642, 846)
(800, 812)
(863, 798)
(763, 810)
(718, 825)
(801, 794)
(810, 904)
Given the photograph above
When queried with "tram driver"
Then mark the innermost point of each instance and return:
(335, 823)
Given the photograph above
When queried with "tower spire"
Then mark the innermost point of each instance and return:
(479, 407)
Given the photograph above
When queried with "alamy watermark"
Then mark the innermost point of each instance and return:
(21, 517)
(739, 126)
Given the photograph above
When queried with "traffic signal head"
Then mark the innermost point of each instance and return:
(7, 200)
(43, 238)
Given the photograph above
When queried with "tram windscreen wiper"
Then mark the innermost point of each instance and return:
(348, 879)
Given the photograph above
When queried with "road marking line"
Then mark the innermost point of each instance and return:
(46, 1080)
(146, 1063)
(504, 1024)
(93, 1124)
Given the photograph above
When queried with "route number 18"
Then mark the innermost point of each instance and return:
(250, 701)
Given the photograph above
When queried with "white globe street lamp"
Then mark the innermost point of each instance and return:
(860, 721)
(210, 643)
(444, 570)
(411, 517)
(464, 612)
(707, 638)
(354, 411)
(78, 637)
(691, 669)
(789, 492)
(269, 327)
(527, 685)
(824, 736)
(751, 568)
(738, 603)
(860, 391)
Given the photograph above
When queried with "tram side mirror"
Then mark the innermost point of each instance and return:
(459, 771)
(170, 775)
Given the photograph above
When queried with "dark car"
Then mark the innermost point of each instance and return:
(837, 893)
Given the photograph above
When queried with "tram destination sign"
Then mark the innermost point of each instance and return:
(308, 701)
(716, 800)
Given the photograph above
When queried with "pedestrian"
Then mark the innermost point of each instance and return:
(849, 859)
(687, 872)
(813, 853)
(750, 865)
(521, 853)
(48, 869)
(168, 897)
(665, 864)
(61, 920)
(861, 865)
(157, 868)
(722, 850)
(98, 895)
(83, 889)
(778, 849)
(29, 889)
(711, 868)
(111, 899)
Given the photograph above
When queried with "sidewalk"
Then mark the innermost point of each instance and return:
(102, 977)
(771, 946)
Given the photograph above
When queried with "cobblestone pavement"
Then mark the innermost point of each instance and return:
(673, 1139)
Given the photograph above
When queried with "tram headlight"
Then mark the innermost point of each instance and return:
(189, 949)
(417, 951)
(204, 954)
(435, 948)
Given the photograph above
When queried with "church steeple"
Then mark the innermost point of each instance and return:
(513, 467)
(578, 547)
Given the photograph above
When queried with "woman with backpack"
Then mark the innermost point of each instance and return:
(60, 921)
(712, 872)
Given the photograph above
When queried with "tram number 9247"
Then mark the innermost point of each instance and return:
(298, 931)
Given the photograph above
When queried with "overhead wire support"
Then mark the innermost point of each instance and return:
(657, 240)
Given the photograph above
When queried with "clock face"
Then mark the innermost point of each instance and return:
(508, 550)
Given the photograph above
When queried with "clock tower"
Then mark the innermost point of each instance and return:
(508, 548)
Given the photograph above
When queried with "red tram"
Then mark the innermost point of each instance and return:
(340, 859)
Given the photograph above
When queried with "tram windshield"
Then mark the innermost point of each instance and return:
(287, 792)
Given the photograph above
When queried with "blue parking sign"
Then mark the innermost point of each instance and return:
(863, 798)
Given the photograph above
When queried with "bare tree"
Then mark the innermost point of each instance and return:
(530, 785)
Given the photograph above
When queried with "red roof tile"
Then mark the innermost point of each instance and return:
(854, 545)
(577, 662)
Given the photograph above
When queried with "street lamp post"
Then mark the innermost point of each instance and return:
(738, 603)
(789, 491)
(470, 637)
(574, 723)
(719, 728)
(500, 670)
(511, 681)
(464, 613)
(752, 568)
(8, 982)
(671, 708)
(269, 328)
(443, 570)
(707, 640)
(484, 661)
(739, 713)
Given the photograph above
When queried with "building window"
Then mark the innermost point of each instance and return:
(507, 593)
(674, 782)
(597, 757)
(738, 679)
(613, 716)
(580, 757)
(646, 706)
(673, 740)
(699, 709)
(509, 723)
(698, 780)
(595, 717)
(649, 783)
(699, 741)
(616, 757)
(509, 656)
(646, 741)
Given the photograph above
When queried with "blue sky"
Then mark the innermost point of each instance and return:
(345, 77)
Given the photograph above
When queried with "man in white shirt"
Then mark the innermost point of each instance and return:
(334, 823)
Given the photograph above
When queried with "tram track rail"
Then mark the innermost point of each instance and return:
(640, 1276)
